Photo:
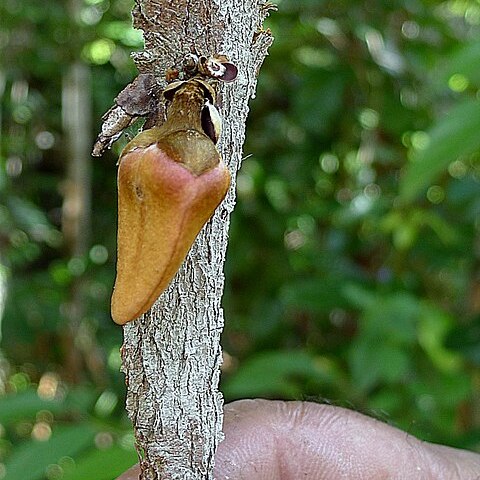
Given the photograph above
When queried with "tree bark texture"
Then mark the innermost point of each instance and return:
(172, 354)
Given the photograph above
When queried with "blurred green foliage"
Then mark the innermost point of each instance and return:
(353, 270)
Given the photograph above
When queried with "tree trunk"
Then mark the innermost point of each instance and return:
(76, 208)
(172, 355)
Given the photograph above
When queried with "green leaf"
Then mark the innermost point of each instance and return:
(389, 317)
(314, 295)
(445, 389)
(433, 327)
(387, 328)
(454, 135)
(24, 405)
(102, 464)
(373, 361)
(358, 295)
(26, 213)
(464, 61)
(30, 460)
(278, 374)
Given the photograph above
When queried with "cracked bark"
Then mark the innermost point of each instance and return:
(172, 355)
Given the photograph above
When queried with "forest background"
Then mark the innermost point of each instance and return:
(353, 271)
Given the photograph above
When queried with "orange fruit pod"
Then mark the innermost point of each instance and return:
(170, 181)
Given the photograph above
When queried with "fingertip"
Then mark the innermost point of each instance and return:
(131, 474)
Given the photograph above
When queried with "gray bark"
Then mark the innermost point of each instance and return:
(172, 354)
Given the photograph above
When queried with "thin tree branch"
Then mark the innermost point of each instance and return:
(172, 355)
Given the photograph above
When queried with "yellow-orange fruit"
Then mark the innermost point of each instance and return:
(162, 206)
(170, 180)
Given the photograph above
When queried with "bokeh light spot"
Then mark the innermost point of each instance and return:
(98, 254)
(458, 82)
